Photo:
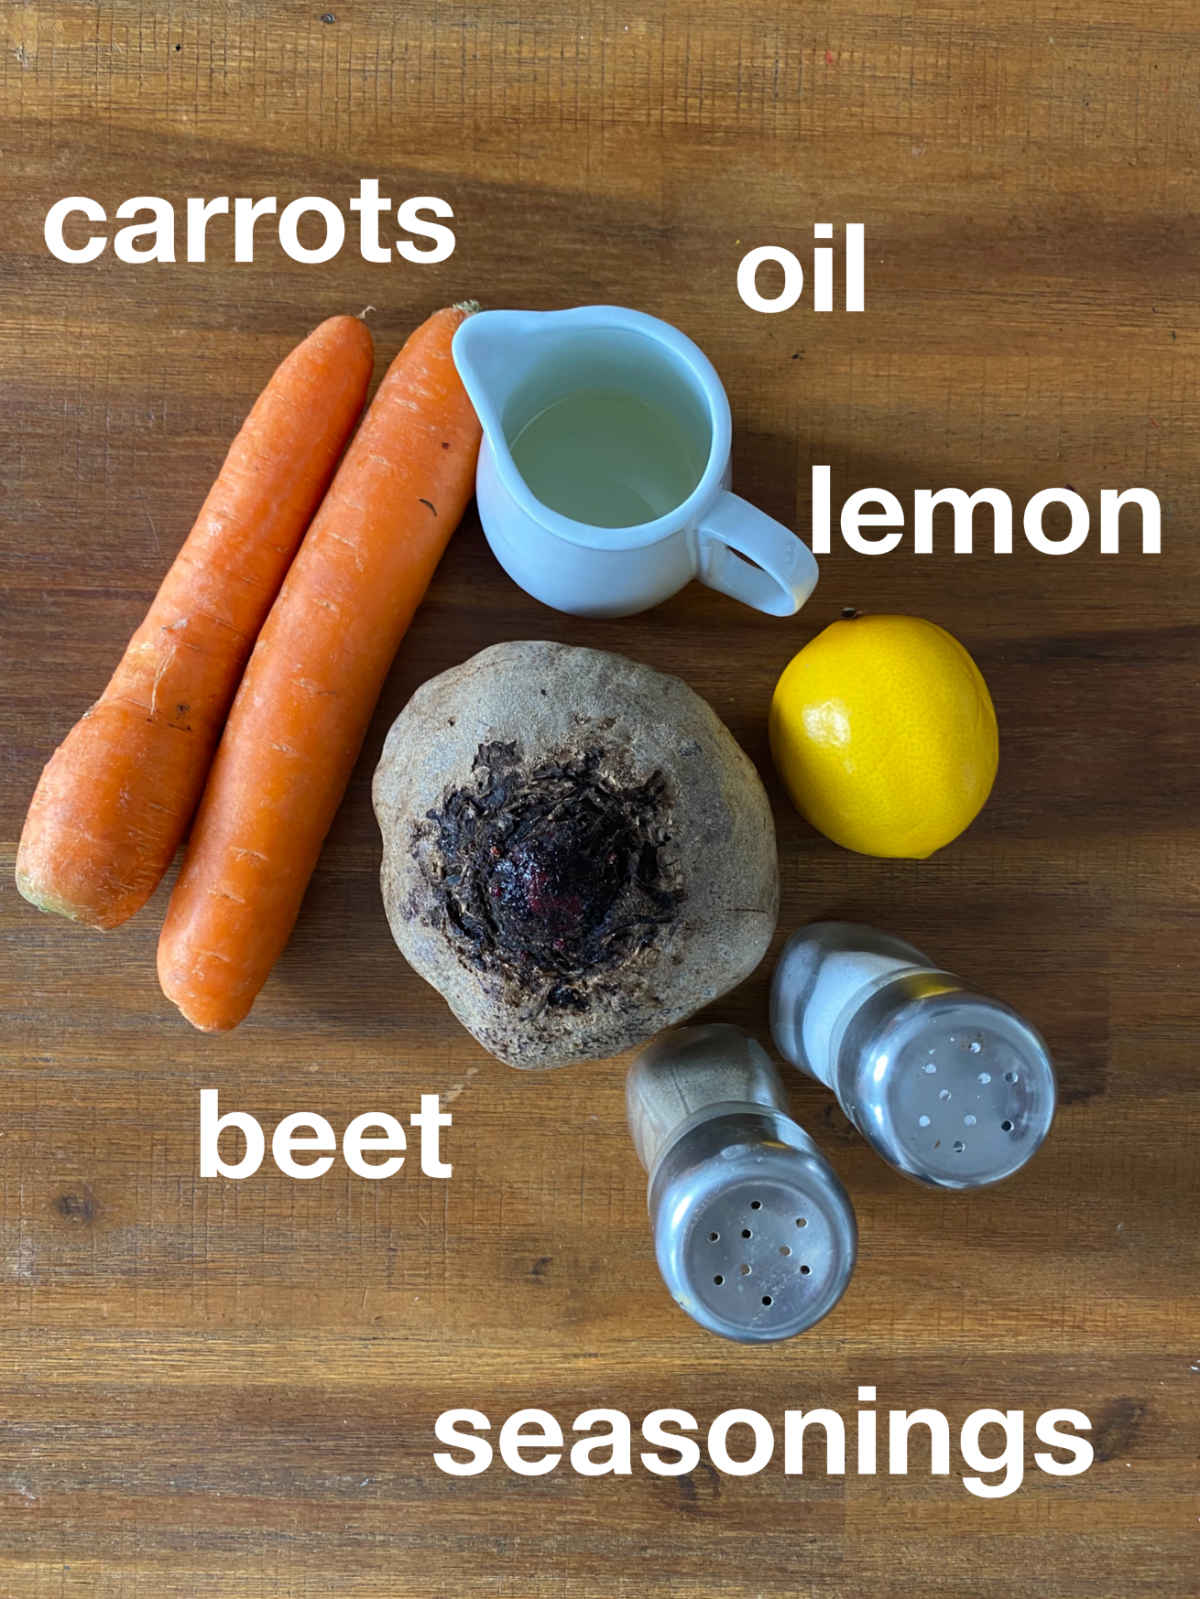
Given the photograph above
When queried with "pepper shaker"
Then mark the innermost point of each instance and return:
(952, 1088)
(754, 1234)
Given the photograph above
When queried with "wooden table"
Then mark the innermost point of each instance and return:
(226, 1389)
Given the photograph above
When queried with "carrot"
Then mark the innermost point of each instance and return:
(306, 700)
(115, 798)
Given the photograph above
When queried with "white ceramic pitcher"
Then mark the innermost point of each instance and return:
(516, 364)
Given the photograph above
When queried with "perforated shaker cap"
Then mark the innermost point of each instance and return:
(754, 1234)
(954, 1089)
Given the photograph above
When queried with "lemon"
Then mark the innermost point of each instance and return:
(884, 734)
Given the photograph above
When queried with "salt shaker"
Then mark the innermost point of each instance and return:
(754, 1234)
(951, 1088)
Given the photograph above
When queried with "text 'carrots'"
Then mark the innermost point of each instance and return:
(310, 687)
(115, 799)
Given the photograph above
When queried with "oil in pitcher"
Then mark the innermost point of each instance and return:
(608, 458)
(603, 478)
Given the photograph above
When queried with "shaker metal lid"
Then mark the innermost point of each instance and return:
(755, 1237)
(956, 1090)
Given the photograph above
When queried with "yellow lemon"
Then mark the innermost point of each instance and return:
(884, 734)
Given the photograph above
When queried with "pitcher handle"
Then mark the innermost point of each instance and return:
(784, 573)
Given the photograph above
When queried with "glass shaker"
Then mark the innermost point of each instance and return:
(754, 1234)
(951, 1088)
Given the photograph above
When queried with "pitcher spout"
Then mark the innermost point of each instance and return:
(495, 353)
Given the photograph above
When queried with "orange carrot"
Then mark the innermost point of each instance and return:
(302, 711)
(116, 797)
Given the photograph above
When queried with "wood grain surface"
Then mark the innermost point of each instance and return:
(220, 1389)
